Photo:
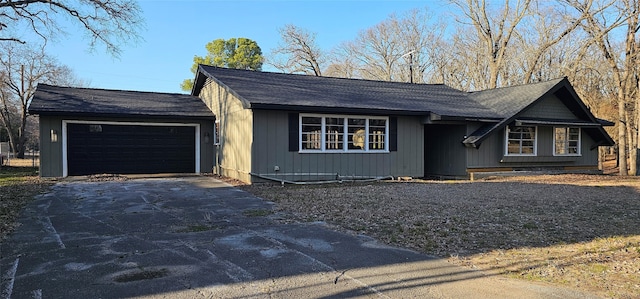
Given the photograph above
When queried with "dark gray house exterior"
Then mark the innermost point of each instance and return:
(295, 127)
(91, 131)
(256, 126)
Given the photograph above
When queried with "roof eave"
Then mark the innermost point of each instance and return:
(121, 115)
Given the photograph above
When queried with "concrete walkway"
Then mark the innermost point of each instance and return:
(196, 237)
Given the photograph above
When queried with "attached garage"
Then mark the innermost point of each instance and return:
(95, 131)
(130, 149)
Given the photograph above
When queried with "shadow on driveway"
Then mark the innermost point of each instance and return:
(196, 237)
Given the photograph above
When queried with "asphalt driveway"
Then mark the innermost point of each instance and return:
(196, 237)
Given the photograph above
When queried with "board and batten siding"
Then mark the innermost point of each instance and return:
(50, 152)
(271, 150)
(491, 153)
(232, 157)
(444, 151)
(550, 107)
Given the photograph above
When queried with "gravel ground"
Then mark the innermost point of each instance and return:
(580, 231)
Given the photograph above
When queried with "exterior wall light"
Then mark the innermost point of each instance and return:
(54, 135)
(207, 137)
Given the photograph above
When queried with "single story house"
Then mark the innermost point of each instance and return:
(92, 131)
(256, 126)
(294, 127)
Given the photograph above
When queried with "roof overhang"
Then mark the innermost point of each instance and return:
(211, 117)
(564, 123)
(434, 118)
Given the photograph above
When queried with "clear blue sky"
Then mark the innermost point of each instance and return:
(178, 30)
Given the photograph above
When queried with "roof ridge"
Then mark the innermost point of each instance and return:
(115, 90)
(327, 77)
(520, 85)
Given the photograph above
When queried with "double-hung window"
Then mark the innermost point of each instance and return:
(566, 141)
(338, 133)
(521, 140)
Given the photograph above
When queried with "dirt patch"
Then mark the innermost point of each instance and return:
(581, 231)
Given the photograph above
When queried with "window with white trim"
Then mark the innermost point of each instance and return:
(338, 133)
(216, 133)
(566, 141)
(521, 140)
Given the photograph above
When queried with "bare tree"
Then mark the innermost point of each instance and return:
(107, 22)
(541, 44)
(342, 66)
(376, 51)
(21, 69)
(459, 64)
(300, 50)
(494, 30)
(601, 21)
(396, 49)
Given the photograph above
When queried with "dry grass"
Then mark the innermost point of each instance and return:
(580, 231)
(18, 186)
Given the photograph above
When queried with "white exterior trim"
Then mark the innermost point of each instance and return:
(535, 143)
(345, 145)
(579, 142)
(65, 165)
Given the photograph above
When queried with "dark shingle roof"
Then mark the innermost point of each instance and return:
(56, 100)
(289, 92)
(263, 90)
(508, 101)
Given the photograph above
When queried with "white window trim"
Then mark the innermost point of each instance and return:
(65, 164)
(345, 140)
(579, 143)
(216, 133)
(535, 143)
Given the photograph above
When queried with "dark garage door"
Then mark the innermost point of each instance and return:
(130, 149)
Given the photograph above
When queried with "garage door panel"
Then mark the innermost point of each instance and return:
(130, 149)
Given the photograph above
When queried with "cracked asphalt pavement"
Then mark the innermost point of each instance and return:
(197, 237)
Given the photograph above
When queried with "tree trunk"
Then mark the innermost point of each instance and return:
(631, 144)
(622, 134)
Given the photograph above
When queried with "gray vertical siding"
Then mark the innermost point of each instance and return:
(491, 153)
(50, 152)
(409, 159)
(233, 154)
(550, 108)
(444, 151)
(270, 148)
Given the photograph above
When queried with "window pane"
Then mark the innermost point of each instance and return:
(311, 132)
(514, 147)
(334, 138)
(521, 140)
(377, 130)
(356, 127)
(574, 134)
(567, 141)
